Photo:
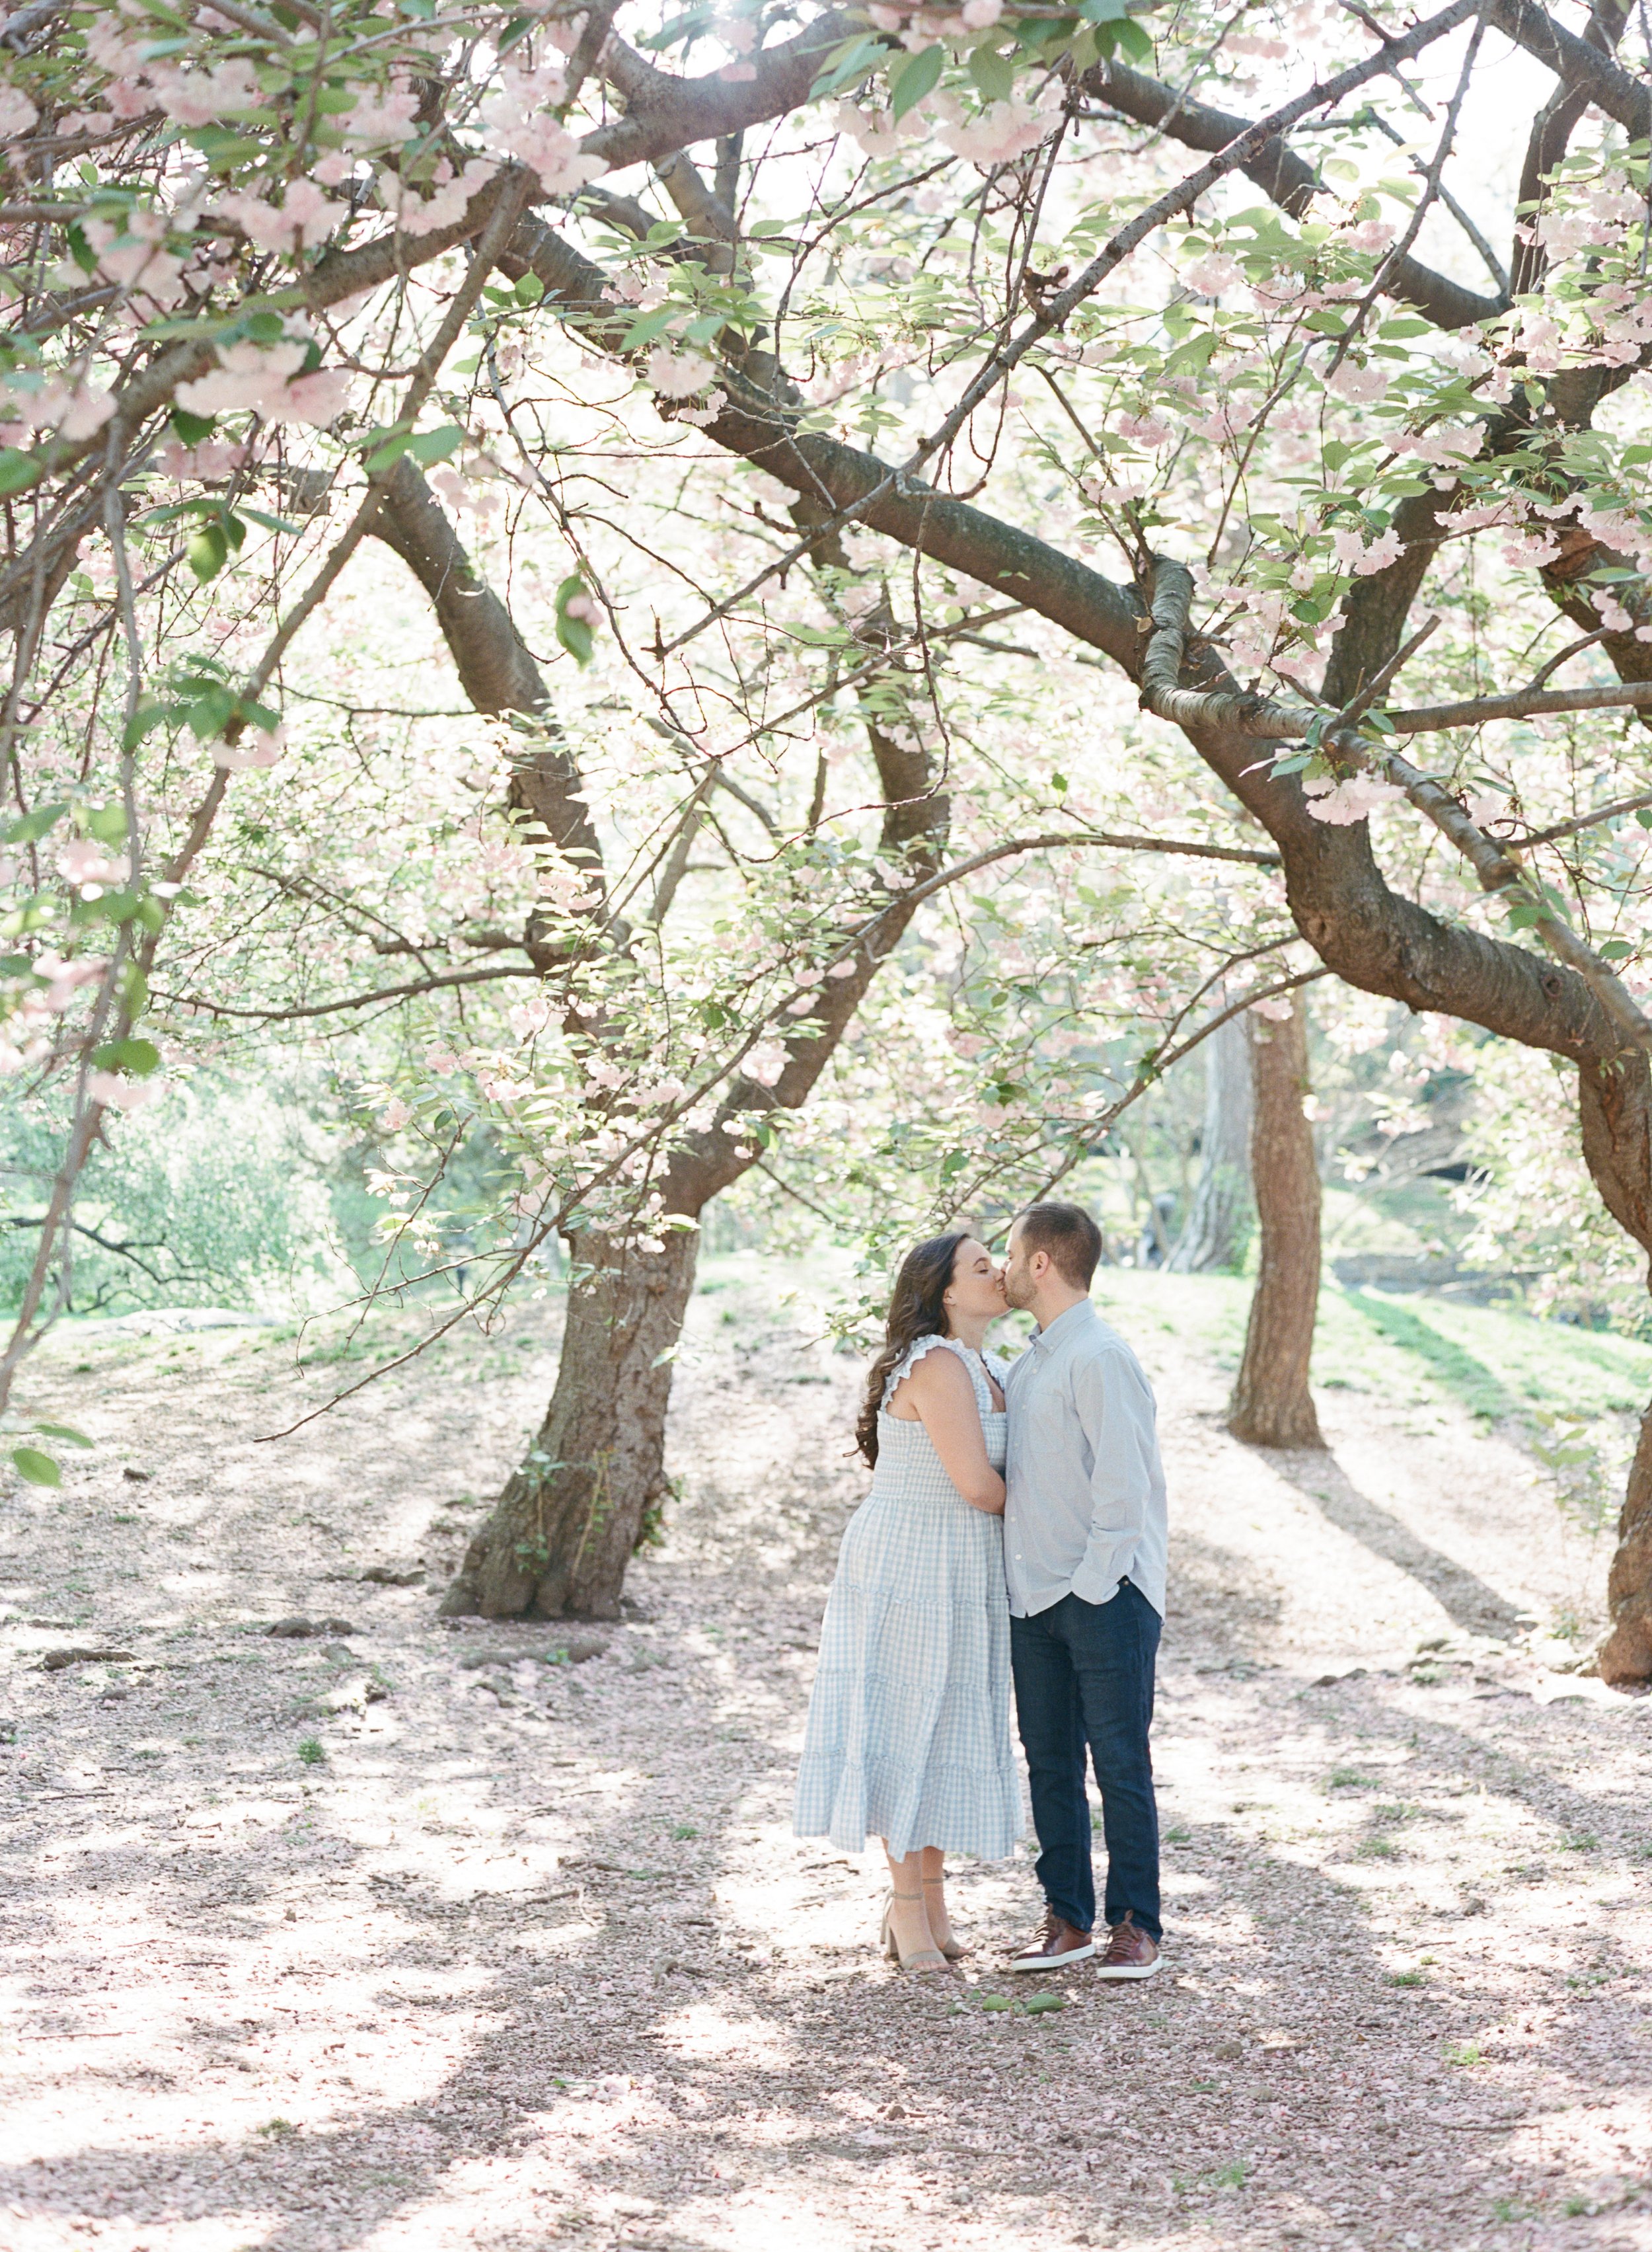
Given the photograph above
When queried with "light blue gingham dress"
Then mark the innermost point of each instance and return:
(908, 1736)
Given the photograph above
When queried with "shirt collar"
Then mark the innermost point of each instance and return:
(1075, 1317)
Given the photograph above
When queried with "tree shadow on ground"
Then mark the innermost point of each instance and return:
(1469, 1602)
(1307, 2055)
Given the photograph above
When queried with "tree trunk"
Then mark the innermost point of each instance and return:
(1214, 1234)
(1625, 1655)
(1272, 1405)
(566, 1527)
(557, 1540)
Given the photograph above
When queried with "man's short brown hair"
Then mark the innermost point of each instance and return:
(1068, 1235)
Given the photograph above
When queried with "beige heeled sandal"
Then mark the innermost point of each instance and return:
(926, 1960)
(954, 1953)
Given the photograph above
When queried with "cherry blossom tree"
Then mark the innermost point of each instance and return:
(984, 294)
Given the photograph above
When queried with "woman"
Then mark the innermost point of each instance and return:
(908, 1732)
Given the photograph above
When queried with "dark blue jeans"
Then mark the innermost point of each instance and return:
(1083, 1674)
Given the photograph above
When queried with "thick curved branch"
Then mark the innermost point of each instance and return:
(1286, 178)
(1577, 64)
(1550, 135)
(498, 674)
(665, 114)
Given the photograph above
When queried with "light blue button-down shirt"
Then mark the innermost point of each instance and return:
(1084, 1503)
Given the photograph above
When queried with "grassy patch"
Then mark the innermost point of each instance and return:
(1457, 1372)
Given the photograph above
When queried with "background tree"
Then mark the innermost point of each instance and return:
(1272, 1404)
(1222, 1206)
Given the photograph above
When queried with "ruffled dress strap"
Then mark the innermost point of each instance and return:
(915, 1352)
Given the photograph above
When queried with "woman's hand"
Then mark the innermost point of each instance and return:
(940, 1396)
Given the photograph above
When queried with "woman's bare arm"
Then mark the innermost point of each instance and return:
(938, 1396)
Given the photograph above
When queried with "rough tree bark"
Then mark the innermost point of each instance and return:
(569, 1519)
(1221, 1206)
(1272, 1404)
(562, 1532)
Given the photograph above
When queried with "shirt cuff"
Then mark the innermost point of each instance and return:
(1097, 1578)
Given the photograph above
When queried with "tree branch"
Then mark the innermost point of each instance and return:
(353, 1000)
(1286, 178)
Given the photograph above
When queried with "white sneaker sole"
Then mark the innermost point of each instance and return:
(1121, 1971)
(1054, 1962)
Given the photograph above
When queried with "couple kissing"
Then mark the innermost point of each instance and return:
(1015, 1529)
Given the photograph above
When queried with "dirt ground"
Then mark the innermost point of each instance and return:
(398, 1936)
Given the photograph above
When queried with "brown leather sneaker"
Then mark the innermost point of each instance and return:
(1130, 1953)
(1053, 1946)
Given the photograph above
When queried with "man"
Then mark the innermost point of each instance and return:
(1085, 1541)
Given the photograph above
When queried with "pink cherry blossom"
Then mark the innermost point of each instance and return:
(108, 1087)
(1004, 131)
(377, 120)
(197, 97)
(417, 214)
(766, 1062)
(17, 113)
(1360, 387)
(1341, 803)
(84, 861)
(257, 749)
(263, 380)
(704, 414)
(679, 374)
(1213, 274)
(67, 977)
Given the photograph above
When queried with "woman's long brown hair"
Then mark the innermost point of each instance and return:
(915, 1310)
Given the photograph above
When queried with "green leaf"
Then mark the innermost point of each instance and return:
(37, 1469)
(845, 64)
(1195, 353)
(912, 77)
(28, 828)
(66, 1431)
(207, 553)
(1135, 38)
(648, 326)
(18, 470)
(1615, 949)
(387, 455)
(529, 289)
(272, 523)
(146, 718)
(436, 445)
(137, 1056)
(992, 75)
(192, 429)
